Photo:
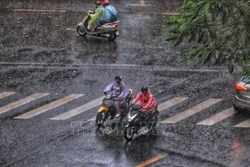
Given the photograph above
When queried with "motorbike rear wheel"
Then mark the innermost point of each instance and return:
(81, 31)
(112, 36)
(129, 133)
(100, 118)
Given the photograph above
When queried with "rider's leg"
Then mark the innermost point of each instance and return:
(117, 109)
(92, 24)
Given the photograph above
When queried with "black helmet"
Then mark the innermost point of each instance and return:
(144, 89)
(118, 77)
(98, 2)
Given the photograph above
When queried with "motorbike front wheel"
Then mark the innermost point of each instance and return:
(123, 119)
(100, 118)
(151, 123)
(129, 133)
(112, 36)
(80, 30)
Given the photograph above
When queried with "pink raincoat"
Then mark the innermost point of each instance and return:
(147, 101)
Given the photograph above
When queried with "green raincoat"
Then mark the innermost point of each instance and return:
(99, 13)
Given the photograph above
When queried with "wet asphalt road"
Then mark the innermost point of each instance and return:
(40, 51)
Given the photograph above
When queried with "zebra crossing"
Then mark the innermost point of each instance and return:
(191, 111)
(21, 102)
(49, 106)
(78, 110)
(162, 107)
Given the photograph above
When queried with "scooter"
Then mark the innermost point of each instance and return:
(108, 30)
(108, 110)
(136, 123)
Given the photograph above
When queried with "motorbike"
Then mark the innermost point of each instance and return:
(108, 110)
(138, 123)
(107, 30)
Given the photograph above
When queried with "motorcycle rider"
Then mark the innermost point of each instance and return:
(99, 13)
(118, 88)
(110, 14)
(147, 100)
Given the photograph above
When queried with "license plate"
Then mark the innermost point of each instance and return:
(117, 33)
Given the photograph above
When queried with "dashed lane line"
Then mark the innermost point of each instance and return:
(21, 102)
(78, 110)
(49, 106)
(191, 111)
(218, 117)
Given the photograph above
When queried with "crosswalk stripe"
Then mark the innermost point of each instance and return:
(5, 94)
(92, 119)
(191, 111)
(244, 124)
(170, 103)
(49, 106)
(21, 102)
(78, 110)
(218, 117)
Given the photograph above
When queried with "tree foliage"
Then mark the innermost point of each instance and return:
(218, 29)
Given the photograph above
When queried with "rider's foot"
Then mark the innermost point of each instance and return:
(118, 115)
(100, 28)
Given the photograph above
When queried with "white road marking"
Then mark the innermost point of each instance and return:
(70, 29)
(244, 124)
(218, 117)
(51, 65)
(49, 106)
(191, 111)
(5, 94)
(171, 14)
(92, 119)
(21, 102)
(171, 103)
(161, 107)
(78, 110)
(142, 5)
(39, 10)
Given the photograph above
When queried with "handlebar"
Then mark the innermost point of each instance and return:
(136, 106)
(110, 96)
(91, 11)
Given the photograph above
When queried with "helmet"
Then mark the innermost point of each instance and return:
(105, 2)
(98, 2)
(118, 77)
(144, 89)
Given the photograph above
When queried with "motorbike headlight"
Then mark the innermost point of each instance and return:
(108, 103)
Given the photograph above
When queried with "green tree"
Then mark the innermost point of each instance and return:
(219, 31)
